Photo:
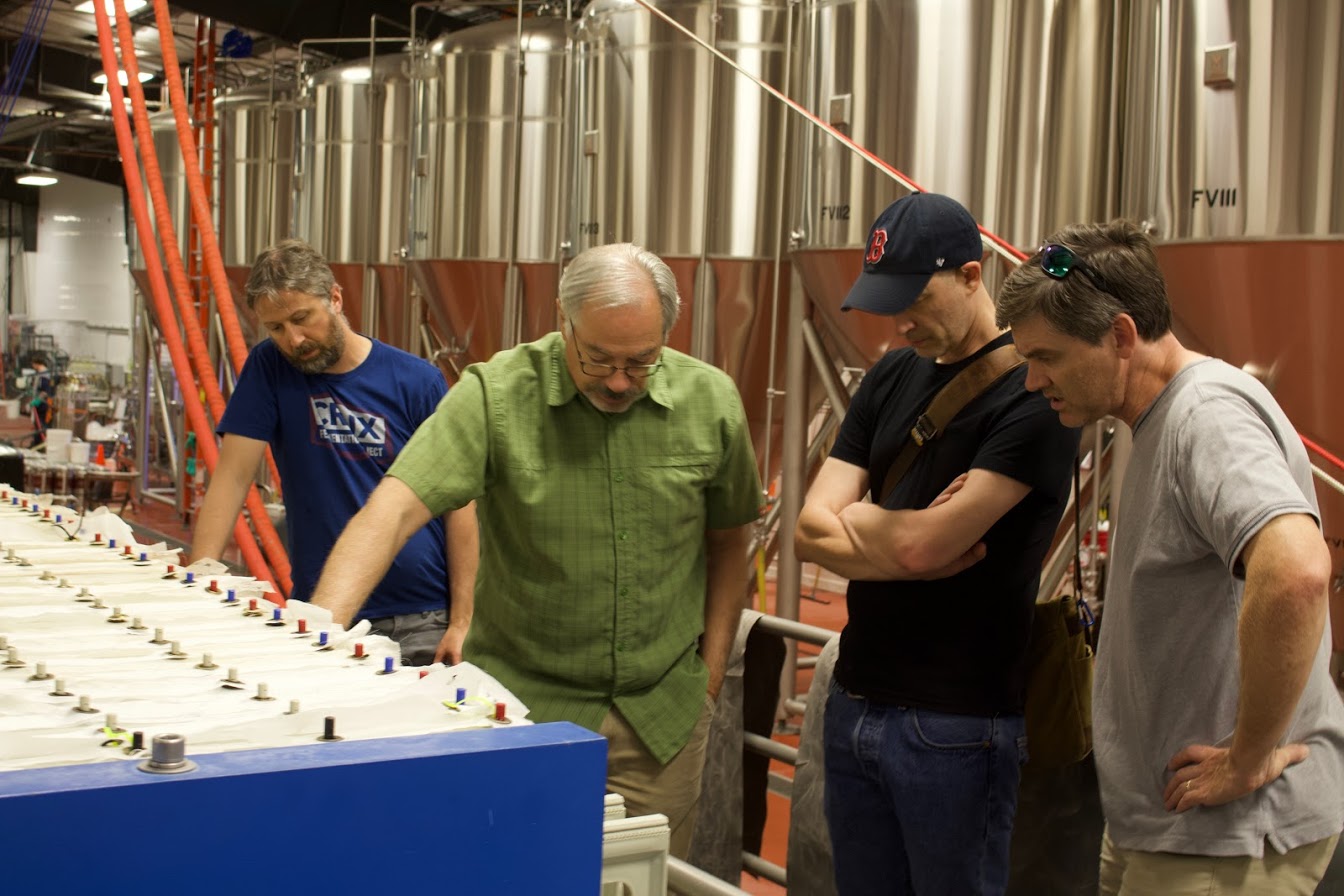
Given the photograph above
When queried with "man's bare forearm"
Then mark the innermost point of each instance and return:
(239, 458)
(821, 538)
(464, 554)
(1282, 620)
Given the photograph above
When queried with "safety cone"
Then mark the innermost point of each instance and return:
(99, 458)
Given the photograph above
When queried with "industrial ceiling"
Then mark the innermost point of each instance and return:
(60, 119)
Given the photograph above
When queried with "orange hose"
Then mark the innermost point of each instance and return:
(233, 334)
(193, 238)
(161, 302)
(200, 209)
(207, 121)
(197, 350)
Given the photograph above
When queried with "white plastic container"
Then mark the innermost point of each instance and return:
(58, 445)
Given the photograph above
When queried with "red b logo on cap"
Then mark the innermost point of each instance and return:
(875, 247)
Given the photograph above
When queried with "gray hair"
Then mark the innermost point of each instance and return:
(289, 266)
(1122, 252)
(608, 276)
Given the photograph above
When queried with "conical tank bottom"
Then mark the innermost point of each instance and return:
(860, 338)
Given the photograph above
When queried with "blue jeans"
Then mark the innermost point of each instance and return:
(919, 802)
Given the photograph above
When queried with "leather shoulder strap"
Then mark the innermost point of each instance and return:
(947, 404)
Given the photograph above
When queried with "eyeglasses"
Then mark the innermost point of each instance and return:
(602, 371)
(1060, 261)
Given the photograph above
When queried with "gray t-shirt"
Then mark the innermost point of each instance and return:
(1214, 460)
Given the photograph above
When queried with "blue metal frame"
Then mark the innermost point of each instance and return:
(507, 811)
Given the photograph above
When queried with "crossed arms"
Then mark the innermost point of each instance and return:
(866, 542)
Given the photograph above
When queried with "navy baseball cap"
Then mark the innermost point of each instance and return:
(914, 238)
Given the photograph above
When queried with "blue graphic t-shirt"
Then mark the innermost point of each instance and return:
(334, 435)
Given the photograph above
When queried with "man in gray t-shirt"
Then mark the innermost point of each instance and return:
(1219, 735)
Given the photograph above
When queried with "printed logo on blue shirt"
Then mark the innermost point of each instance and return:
(346, 427)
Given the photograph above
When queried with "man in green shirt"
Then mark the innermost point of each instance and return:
(616, 486)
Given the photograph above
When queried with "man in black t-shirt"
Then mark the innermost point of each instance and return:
(923, 727)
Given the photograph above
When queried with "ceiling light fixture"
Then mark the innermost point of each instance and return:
(142, 76)
(31, 175)
(131, 7)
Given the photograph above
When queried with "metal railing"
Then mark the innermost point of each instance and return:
(688, 880)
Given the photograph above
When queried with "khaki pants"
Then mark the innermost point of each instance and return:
(1128, 872)
(648, 786)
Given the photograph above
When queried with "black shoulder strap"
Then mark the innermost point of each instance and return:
(947, 404)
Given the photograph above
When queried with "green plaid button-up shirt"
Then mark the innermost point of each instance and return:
(591, 588)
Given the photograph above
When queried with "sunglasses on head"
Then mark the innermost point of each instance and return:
(1059, 261)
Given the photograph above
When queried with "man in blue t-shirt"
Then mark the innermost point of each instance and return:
(924, 722)
(336, 407)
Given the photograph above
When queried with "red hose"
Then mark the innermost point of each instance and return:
(1321, 451)
(162, 305)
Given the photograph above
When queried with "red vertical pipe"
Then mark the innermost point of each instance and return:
(199, 352)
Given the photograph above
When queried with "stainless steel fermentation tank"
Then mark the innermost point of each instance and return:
(634, 135)
(1236, 159)
(1002, 104)
(489, 185)
(679, 153)
(254, 151)
(351, 196)
(256, 131)
(175, 192)
(1217, 122)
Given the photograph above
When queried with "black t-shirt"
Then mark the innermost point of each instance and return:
(956, 644)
